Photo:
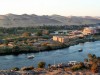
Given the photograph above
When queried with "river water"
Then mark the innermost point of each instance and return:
(51, 57)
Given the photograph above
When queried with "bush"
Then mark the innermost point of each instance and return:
(15, 49)
(15, 69)
(48, 47)
(24, 68)
(31, 67)
(67, 69)
(5, 49)
(39, 33)
(41, 64)
(79, 66)
(26, 34)
(27, 68)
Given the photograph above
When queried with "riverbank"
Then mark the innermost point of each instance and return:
(54, 72)
(49, 45)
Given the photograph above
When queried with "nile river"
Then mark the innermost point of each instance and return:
(51, 57)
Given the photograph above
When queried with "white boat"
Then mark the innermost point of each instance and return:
(72, 62)
(31, 57)
(80, 50)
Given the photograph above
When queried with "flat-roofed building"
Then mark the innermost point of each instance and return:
(61, 39)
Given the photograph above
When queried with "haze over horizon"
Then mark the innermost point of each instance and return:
(50, 7)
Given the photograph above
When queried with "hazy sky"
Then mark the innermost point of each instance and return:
(49, 7)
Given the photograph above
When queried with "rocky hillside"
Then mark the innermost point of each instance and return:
(12, 20)
(25, 20)
(76, 20)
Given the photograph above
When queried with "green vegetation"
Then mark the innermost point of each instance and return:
(26, 42)
(15, 69)
(94, 62)
(79, 66)
(5, 50)
(26, 34)
(41, 65)
(33, 44)
(35, 39)
(39, 33)
(27, 68)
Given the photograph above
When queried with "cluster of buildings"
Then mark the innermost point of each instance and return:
(77, 34)
(91, 30)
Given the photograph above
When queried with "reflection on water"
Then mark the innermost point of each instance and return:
(57, 56)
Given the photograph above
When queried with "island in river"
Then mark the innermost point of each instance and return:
(31, 44)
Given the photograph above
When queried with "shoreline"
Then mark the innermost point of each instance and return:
(45, 72)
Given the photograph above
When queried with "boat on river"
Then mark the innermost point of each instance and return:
(80, 50)
(30, 57)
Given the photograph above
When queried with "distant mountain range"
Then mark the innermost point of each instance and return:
(12, 20)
